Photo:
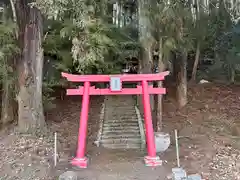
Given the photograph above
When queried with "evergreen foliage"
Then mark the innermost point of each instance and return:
(96, 44)
(8, 46)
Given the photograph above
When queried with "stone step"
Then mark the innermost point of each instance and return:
(117, 117)
(119, 128)
(128, 105)
(121, 121)
(120, 101)
(120, 131)
(121, 136)
(121, 124)
(124, 113)
(126, 97)
(122, 146)
(127, 115)
(121, 141)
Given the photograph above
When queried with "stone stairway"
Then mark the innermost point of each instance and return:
(121, 128)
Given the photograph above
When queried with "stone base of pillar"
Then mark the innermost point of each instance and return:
(152, 161)
(80, 162)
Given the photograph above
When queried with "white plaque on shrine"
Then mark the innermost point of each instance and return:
(115, 84)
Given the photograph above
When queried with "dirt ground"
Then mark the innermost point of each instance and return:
(209, 130)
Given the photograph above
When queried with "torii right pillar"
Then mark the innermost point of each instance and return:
(151, 159)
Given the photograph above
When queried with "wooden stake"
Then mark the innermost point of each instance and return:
(177, 148)
(55, 149)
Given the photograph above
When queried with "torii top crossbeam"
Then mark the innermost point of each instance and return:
(124, 77)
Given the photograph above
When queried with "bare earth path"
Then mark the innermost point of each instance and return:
(209, 129)
(120, 165)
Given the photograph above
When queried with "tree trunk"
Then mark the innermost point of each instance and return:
(195, 66)
(14, 16)
(30, 107)
(139, 97)
(145, 37)
(146, 68)
(232, 75)
(159, 109)
(146, 41)
(146, 59)
(181, 83)
(119, 15)
(175, 64)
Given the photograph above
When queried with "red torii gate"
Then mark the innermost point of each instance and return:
(116, 89)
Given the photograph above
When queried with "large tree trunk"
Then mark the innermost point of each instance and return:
(30, 107)
(181, 65)
(181, 80)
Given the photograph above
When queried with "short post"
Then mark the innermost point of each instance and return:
(55, 149)
(151, 159)
(80, 160)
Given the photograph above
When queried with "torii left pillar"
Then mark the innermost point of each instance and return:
(151, 159)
